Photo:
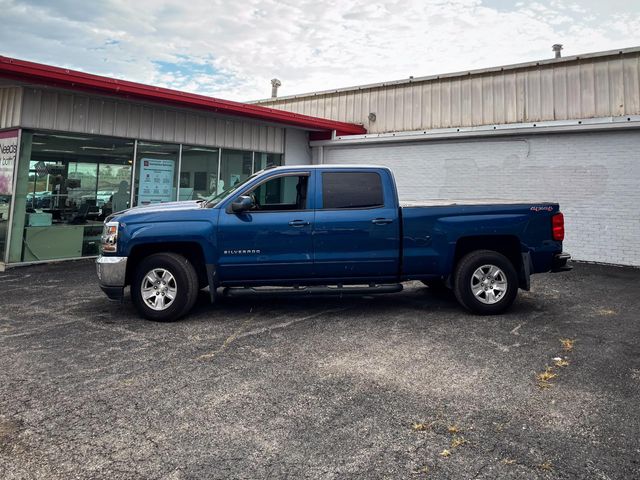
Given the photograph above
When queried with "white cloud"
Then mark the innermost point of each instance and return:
(232, 49)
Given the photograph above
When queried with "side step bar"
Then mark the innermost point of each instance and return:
(313, 290)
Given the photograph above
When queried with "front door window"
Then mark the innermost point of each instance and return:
(282, 193)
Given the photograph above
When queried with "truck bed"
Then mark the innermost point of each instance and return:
(471, 201)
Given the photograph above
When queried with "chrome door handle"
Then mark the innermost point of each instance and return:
(298, 223)
(382, 221)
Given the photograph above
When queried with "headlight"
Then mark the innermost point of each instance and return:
(109, 239)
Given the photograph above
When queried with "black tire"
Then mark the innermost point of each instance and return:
(463, 276)
(436, 285)
(185, 280)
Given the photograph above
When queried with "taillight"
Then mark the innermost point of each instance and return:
(557, 227)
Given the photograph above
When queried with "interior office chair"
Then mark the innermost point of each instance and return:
(80, 217)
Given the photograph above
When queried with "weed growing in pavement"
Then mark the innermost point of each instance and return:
(457, 442)
(547, 375)
(548, 466)
(544, 378)
(422, 470)
(560, 362)
(567, 344)
(419, 427)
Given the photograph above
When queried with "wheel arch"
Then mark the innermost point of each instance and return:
(192, 251)
(507, 245)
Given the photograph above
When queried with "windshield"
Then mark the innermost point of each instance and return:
(213, 200)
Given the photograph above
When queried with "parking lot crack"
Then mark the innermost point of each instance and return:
(515, 330)
(279, 326)
(239, 333)
(230, 339)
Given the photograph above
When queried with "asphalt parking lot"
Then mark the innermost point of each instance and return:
(397, 386)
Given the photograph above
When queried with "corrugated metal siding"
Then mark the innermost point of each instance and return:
(10, 106)
(584, 88)
(71, 112)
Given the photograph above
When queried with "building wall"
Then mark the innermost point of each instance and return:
(593, 86)
(594, 177)
(10, 106)
(297, 150)
(73, 112)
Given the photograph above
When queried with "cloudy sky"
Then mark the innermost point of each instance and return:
(231, 49)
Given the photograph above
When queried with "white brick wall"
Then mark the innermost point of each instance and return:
(594, 176)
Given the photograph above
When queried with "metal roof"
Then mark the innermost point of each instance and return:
(463, 73)
(578, 88)
(41, 74)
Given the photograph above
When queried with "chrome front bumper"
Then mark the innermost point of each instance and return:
(112, 273)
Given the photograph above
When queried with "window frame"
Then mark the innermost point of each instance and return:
(339, 209)
(272, 177)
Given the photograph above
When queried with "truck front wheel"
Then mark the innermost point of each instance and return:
(485, 282)
(165, 287)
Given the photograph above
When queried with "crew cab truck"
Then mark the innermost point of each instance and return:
(325, 229)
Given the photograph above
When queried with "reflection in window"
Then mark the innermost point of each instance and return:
(264, 160)
(236, 166)
(72, 183)
(82, 182)
(199, 173)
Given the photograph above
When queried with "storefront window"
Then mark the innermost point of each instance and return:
(199, 173)
(156, 173)
(236, 165)
(67, 185)
(264, 160)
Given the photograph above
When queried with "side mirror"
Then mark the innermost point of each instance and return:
(242, 204)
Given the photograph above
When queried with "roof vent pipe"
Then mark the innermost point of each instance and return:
(556, 48)
(275, 83)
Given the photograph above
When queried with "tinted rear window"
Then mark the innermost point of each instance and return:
(351, 190)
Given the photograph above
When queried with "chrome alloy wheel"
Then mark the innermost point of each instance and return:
(489, 284)
(158, 289)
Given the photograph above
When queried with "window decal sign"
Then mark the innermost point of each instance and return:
(8, 156)
(156, 180)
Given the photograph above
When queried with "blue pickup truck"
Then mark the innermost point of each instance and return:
(325, 230)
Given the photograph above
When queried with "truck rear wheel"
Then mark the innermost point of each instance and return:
(165, 287)
(485, 282)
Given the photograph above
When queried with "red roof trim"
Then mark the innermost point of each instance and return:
(72, 79)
